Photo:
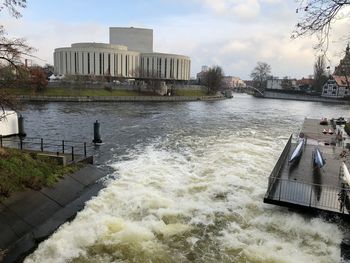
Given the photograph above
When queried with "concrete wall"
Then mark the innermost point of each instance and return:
(137, 39)
(99, 59)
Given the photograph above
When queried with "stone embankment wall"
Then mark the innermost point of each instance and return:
(119, 98)
(287, 96)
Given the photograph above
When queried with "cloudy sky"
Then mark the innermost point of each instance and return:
(234, 34)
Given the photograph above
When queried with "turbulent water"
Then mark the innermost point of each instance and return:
(186, 183)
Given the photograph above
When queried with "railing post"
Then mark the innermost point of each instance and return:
(62, 146)
(279, 195)
(84, 149)
(310, 197)
(42, 144)
(72, 153)
(21, 142)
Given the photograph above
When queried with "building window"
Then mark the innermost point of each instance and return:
(126, 65)
(177, 69)
(147, 67)
(66, 62)
(82, 63)
(109, 65)
(75, 63)
(88, 61)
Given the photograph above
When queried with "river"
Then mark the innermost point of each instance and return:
(186, 183)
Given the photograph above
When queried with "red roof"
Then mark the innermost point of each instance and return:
(305, 82)
(342, 80)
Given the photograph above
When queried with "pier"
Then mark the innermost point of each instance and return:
(301, 185)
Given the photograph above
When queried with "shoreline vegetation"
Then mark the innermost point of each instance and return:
(27, 170)
(93, 92)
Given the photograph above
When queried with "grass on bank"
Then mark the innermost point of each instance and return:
(74, 92)
(91, 92)
(21, 170)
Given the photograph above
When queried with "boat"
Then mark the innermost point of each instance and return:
(324, 131)
(319, 161)
(324, 121)
(340, 121)
(330, 131)
(297, 151)
(346, 174)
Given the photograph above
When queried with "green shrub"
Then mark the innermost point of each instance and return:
(19, 170)
(347, 128)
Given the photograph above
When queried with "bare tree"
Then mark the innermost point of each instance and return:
(317, 17)
(213, 79)
(319, 73)
(11, 49)
(12, 6)
(260, 74)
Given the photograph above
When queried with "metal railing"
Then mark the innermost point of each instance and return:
(325, 197)
(59, 147)
(276, 170)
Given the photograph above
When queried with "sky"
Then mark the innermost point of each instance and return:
(233, 34)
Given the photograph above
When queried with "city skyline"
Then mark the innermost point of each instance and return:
(231, 34)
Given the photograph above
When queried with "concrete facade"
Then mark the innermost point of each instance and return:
(136, 39)
(118, 60)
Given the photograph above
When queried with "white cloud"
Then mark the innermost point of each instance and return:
(215, 38)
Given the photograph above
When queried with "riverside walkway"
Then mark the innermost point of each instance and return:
(302, 186)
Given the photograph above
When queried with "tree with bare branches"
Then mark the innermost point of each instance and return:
(260, 74)
(12, 50)
(320, 75)
(213, 79)
(317, 18)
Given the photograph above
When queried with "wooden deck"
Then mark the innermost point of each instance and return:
(300, 184)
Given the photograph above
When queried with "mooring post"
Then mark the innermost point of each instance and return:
(72, 153)
(84, 149)
(42, 144)
(21, 142)
(62, 146)
(1, 141)
(97, 136)
(21, 131)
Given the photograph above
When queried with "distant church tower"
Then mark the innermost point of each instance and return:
(343, 69)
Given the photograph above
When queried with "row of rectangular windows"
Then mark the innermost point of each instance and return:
(131, 65)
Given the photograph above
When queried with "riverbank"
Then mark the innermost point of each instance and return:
(301, 97)
(36, 98)
(28, 217)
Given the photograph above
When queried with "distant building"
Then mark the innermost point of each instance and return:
(128, 55)
(201, 74)
(277, 83)
(305, 84)
(336, 87)
(233, 82)
(343, 69)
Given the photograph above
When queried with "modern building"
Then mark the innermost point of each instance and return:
(128, 55)
(285, 83)
(201, 74)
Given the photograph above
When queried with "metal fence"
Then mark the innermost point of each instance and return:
(318, 196)
(276, 170)
(60, 147)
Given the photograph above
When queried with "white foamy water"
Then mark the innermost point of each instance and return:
(192, 199)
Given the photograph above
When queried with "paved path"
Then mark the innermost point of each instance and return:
(27, 218)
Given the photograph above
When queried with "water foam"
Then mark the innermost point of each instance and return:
(195, 199)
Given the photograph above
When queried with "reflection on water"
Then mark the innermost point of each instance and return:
(189, 179)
